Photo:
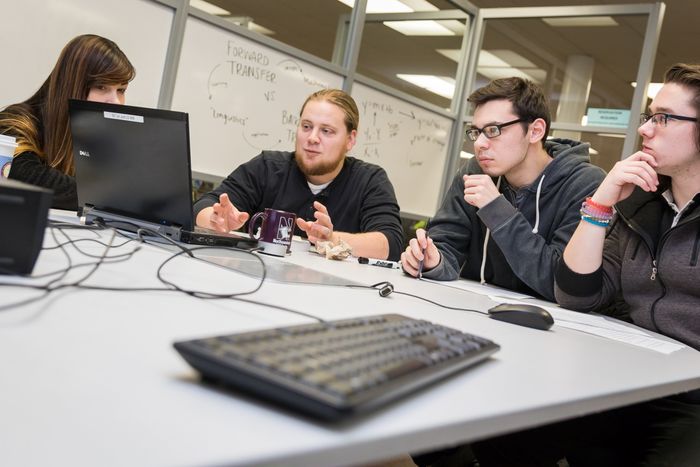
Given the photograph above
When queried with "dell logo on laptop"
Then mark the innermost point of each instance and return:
(84, 153)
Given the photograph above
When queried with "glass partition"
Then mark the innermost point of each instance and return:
(585, 64)
(416, 50)
(309, 25)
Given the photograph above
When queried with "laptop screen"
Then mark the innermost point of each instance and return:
(133, 161)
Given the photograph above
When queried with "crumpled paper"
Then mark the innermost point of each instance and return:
(339, 251)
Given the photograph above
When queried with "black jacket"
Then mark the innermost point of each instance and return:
(29, 168)
(360, 199)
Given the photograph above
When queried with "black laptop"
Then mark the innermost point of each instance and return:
(132, 168)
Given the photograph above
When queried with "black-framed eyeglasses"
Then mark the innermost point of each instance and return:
(661, 118)
(490, 131)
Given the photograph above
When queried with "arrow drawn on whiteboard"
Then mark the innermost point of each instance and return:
(209, 83)
(289, 64)
(262, 137)
(412, 116)
(293, 65)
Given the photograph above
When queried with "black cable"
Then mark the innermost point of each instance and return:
(208, 295)
(447, 307)
(80, 240)
(379, 285)
(283, 308)
(50, 287)
(95, 266)
(171, 286)
(140, 231)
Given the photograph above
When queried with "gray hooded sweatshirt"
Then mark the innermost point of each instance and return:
(516, 240)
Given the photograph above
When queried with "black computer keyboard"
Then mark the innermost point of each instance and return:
(335, 369)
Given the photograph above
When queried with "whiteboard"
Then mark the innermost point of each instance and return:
(409, 142)
(34, 32)
(242, 97)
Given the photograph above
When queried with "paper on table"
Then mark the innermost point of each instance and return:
(596, 320)
(647, 342)
(590, 323)
(610, 328)
(481, 289)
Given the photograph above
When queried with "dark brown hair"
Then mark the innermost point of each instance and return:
(688, 76)
(529, 102)
(40, 123)
(341, 99)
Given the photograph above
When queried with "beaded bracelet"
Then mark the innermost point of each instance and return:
(596, 214)
(601, 207)
(595, 220)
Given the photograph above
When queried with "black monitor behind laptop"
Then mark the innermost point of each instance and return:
(133, 161)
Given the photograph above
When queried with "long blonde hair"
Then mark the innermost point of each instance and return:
(41, 123)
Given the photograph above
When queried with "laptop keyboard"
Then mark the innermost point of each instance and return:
(336, 369)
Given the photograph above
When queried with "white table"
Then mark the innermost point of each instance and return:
(91, 378)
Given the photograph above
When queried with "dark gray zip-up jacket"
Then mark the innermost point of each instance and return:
(516, 257)
(656, 271)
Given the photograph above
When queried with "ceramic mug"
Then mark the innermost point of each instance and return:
(276, 230)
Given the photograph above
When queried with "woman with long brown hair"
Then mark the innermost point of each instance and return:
(90, 68)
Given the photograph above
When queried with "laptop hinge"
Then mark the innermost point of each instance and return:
(92, 216)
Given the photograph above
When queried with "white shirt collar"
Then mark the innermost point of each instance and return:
(668, 196)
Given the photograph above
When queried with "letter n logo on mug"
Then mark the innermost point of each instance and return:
(285, 229)
(275, 231)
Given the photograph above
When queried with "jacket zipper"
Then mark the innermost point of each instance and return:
(654, 259)
(654, 266)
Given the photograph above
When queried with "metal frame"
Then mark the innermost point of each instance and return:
(655, 13)
(646, 65)
(172, 57)
(349, 39)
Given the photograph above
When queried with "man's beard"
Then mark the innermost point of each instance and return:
(319, 169)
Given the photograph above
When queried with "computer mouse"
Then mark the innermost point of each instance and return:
(530, 316)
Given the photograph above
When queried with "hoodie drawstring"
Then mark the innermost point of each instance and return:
(537, 206)
(486, 242)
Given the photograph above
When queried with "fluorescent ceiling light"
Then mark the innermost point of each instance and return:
(255, 27)
(209, 8)
(452, 54)
(420, 5)
(581, 21)
(453, 25)
(441, 85)
(412, 28)
(652, 90)
(537, 76)
(593, 151)
(504, 57)
(503, 63)
(394, 6)
(247, 23)
(420, 28)
(382, 6)
(465, 155)
(612, 135)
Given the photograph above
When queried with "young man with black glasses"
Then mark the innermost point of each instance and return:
(507, 218)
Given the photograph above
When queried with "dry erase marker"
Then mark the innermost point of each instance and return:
(420, 263)
(379, 262)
